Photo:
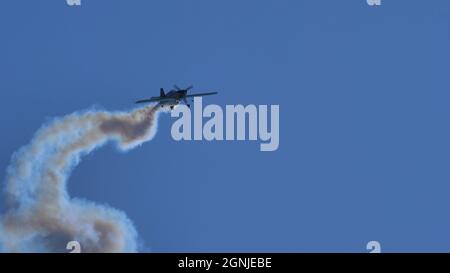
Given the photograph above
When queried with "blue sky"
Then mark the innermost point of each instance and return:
(364, 117)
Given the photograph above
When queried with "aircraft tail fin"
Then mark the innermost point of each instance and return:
(161, 92)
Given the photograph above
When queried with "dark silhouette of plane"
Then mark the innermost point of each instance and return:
(174, 96)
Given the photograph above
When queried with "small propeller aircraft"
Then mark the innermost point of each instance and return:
(174, 96)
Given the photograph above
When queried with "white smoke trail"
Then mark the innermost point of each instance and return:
(40, 215)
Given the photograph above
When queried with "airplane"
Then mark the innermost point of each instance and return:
(174, 96)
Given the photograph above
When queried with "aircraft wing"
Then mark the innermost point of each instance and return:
(201, 94)
(154, 99)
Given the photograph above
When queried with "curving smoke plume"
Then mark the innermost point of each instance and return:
(40, 215)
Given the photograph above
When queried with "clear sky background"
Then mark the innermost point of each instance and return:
(364, 117)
